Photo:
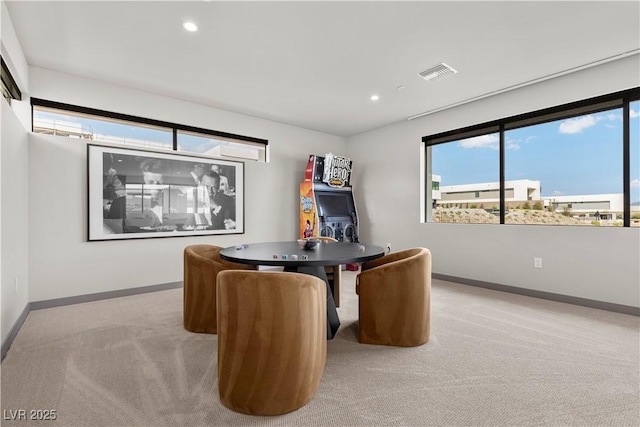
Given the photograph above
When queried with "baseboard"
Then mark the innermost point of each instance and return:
(38, 305)
(585, 302)
(58, 302)
(14, 331)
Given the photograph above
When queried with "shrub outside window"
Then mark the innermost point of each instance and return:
(569, 171)
(634, 156)
(575, 164)
(460, 168)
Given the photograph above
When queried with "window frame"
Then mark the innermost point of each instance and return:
(174, 127)
(10, 89)
(621, 99)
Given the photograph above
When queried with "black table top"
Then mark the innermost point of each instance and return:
(327, 253)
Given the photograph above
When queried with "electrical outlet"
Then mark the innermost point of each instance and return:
(537, 262)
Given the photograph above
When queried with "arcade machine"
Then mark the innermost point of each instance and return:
(327, 207)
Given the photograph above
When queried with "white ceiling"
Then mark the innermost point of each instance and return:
(316, 64)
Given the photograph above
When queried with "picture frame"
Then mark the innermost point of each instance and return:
(137, 194)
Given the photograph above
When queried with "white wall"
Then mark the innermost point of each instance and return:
(61, 261)
(47, 250)
(13, 185)
(14, 227)
(600, 263)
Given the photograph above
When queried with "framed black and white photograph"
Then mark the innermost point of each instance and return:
(141, 194)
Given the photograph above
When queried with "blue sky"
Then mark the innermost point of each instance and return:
(186, 142)
(582, 155)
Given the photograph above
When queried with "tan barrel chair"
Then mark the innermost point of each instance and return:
(272, 340)
(394, 299)
(333, 272)
(202, 263)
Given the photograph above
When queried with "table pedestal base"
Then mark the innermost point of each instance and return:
(333, 322)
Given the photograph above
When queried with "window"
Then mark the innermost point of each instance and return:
(10, 89)
(464, 168)
(566, 165)
(578, 162)
(634, 155)
(211, 145)
(85, 126)
(103, 126)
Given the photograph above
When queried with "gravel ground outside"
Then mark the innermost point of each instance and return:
(515, 216)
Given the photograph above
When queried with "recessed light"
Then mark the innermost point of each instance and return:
(190, 26)
(374, 97)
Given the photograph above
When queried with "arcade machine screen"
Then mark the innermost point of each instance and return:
(334, 205)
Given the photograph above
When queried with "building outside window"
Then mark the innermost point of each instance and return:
(634, 155)
(199, 143)
(561, 166)
(113, 128)
(459, 165)
(100, 129)
(577, 160)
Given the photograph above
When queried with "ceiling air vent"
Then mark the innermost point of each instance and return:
(440, 70)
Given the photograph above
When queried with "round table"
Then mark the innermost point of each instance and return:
(326, 253)
(309, 261)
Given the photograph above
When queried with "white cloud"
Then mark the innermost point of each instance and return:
(512, 146)
(557, 193)
(611, 126)
(578, 125)
(633, 113)
(529, 139)
(483, 141)
(511, 141)
(614, 117)
(635, 183)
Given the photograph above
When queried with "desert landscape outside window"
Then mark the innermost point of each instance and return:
(562, 166)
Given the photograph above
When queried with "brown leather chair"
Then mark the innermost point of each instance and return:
(272, 340)
(333, 272)
(202, 264)
(394, 299)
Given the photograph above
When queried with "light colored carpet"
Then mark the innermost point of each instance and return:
(494, 359)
